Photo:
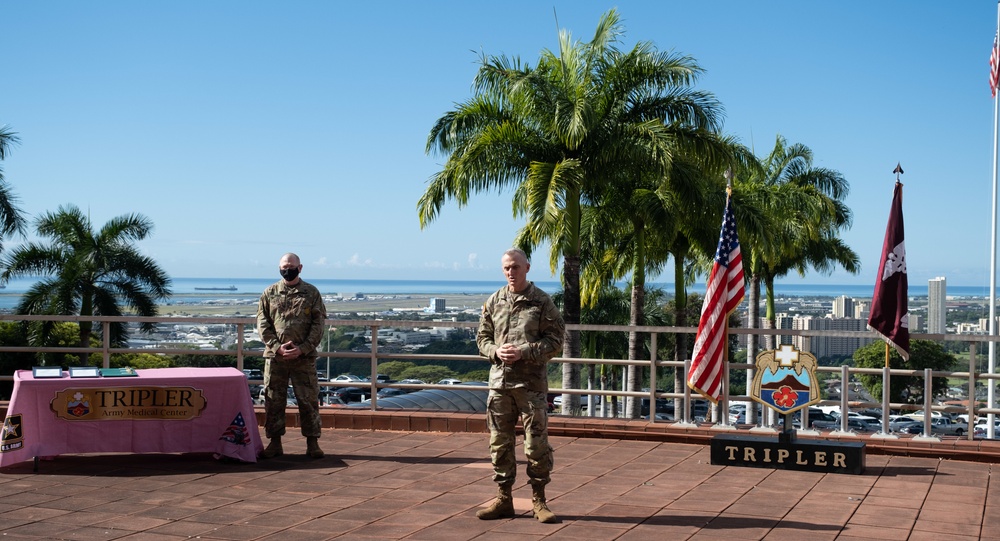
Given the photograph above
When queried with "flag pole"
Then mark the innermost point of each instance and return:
(991, 386)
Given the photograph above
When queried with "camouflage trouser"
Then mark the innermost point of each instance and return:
(301, 375)
(503, 408)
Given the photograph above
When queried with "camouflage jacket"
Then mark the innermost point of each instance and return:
(529, 320)
(293, 313)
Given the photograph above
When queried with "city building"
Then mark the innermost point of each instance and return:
(862, 310)
(830, 346)
(843, 306)
(936, 305)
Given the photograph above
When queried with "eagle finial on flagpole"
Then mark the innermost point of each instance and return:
(898, 170)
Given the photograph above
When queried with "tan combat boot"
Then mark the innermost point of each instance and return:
(502, 507)
(539, 508)
(312, 448)
(273, 448)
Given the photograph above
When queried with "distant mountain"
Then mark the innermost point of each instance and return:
(788, 380)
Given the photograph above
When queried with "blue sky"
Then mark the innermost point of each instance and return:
(247, 129)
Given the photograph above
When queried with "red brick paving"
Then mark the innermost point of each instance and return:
(427, 485)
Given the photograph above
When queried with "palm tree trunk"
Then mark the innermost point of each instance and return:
(637, 317)
(571, 339)
(86, 327)
(680, 320)
(770, 318)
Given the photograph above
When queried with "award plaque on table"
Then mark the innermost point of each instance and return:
(84, 372)
(118, 372)
(39, 372)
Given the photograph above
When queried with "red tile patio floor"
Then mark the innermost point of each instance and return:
(425, 485)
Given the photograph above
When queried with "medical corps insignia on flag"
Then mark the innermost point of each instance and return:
(237, 432)
(785, 379)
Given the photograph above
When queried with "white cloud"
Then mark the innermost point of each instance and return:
(356, 261)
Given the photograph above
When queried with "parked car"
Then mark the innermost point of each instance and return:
(346, 395)
(557, 400)
(449, 381)
(738, 414)
(350, 378)
(663, 406)
(862, 425)
(858, 416)
(947, 426)
(816, 415)
(411, 382)
(943, 426)
(919, 415)
(253, 373)
(899, 423)
(391, 391)
(981, 429)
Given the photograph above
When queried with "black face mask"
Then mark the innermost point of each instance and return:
(289, 274)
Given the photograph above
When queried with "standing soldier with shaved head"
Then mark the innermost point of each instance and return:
(291, 318)
(520, 331)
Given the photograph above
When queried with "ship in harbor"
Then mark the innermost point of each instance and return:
(230, 288)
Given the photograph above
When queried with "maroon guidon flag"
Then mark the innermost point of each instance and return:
(889, 315)
(723, 294)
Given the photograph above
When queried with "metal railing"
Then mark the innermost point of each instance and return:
(375, 356)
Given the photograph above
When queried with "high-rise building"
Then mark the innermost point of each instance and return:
(843, 306)
(862, 309)
(826, 346)
(936, 305)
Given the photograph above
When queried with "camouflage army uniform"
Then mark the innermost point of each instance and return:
(293, 313)
(531, 321)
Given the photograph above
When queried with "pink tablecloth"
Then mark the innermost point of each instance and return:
(162, 410)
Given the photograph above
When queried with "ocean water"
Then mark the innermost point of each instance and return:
(193, 290)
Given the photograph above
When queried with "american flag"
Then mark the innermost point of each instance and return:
(995, 65)
(723, 294)
(237, 431)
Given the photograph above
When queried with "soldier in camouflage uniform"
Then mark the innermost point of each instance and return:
(519, 332)
(290, 318)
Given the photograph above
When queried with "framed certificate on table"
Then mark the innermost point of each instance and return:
(39, 372)
(84, 372)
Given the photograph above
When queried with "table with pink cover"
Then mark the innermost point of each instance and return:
(160, 410)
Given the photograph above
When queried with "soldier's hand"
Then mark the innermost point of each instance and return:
(509, 353)
(289, 351)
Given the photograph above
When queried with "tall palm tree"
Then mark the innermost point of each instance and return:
(804, 213)
(558, 133)
(88, 273)
(11, 217)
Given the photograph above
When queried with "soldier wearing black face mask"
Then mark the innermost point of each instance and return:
(290, 319)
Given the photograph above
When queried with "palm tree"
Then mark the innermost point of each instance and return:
(88, 273)
(11, 217)
(560, 132)
(810, 212)
(803, 213)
